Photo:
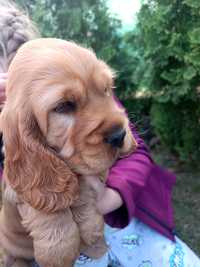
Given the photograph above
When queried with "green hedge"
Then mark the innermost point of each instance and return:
(178, 127)
(137, 108)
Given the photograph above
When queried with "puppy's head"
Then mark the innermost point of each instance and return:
(60, 118)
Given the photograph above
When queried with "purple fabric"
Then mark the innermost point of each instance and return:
(146, 191)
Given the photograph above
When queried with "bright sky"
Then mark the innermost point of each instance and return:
(125, 9)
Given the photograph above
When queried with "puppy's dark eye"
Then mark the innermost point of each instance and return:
(65, 107)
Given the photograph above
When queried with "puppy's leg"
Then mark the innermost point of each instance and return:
(55, 236)
(14, 239)
(10, 261)
(90, 223)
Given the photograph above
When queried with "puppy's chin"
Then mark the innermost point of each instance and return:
(92, 165)
(127, 151)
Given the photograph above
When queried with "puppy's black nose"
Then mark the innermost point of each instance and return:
(116, 137)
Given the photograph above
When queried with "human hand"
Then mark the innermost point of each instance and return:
(3, 79)
(108, 199)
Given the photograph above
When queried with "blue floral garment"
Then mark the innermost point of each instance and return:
(137, 245)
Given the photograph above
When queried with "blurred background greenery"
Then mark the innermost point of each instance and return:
(157, 58)
(156, 55)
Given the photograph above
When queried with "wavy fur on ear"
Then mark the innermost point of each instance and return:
(34, 171)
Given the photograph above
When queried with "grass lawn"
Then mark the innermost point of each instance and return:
(186, 199)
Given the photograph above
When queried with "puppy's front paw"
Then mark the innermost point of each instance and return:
(96, 250)
(92, 229)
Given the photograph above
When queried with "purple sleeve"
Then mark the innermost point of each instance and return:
(129, 176)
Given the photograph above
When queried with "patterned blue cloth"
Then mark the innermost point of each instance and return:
(137, 245)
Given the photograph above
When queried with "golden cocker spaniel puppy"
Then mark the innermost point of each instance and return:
(60, 123)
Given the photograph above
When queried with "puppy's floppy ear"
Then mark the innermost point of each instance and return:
(34, 171)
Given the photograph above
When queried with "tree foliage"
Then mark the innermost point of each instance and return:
(160, 55)
(89, 23)
(167, 40)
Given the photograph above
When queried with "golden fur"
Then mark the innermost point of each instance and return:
(59, 109)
